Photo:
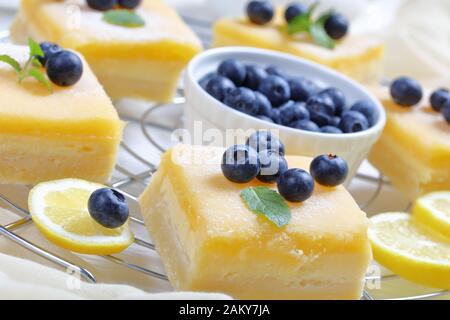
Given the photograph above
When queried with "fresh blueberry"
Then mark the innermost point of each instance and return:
(240, 163)
(294, 10)
(233, 70)
(101, 5)
(338, 98)
(321, 103)
(108, 207)
(438, 98)
(321, 119)
(219, 86)
(334, 121)
(295, 185)
(129, 4)
(302, 89)
(305, 125)
(272, 165)
(353, 121)
(331, 130)
(64, 68)
(265, 140)
(254, 76)
(49, 49)
(406, 91)
(276, 89)
(205, 79)
(264, 118)
(260, 12)
(446, 111)
(275, 71)
(292, 111)
(367, 108)
(242, 99)
(336, 26)
(329, 170)
(275, 115)
(264, 106)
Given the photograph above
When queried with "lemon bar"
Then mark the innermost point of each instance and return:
(70, 132)
(210, 241)
(142, 62)
(414, 149)
(356, 56)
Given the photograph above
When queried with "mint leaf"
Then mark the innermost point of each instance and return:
(311, 9)
(300, 23)
(267, 202)
(35, 48)
(11, 61)
(39, 76)
(318, 33)
(122, 17)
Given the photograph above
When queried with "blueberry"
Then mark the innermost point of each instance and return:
(275, 115)
(353, 121)
(294, 10)
(331, 130)
(219, 86)
(254, 76)
(438, 98)
(205, 79)
(265, 140)
(305, 125)
(233, 70)
(242, 99)
(240, 163)
(108, 207)
(302, 89)
(49, 49)
(129, 4)
(321, 103)
(276, 89)
(264, 118)
(295, 185)
(334, 121)
(275, 71)
(367, 108)
(338, 98)
(260, 12)
(321, 119)
(272, 165)
(446, 111)
(336, 26)
(101, 5)
(64, 68)
(292, 111)
(406, 91)
(264, 106)
(329, 170)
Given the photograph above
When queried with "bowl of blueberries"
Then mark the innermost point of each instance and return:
(312, 108)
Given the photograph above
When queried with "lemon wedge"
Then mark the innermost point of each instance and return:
(433, 210)
(59, 210)
(411, 250)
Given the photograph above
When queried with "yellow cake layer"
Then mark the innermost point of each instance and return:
(70, 132)
(414, 149)
(210, 241)
(164, 40)
(358, 57)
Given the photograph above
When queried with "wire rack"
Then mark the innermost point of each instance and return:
(125, 180)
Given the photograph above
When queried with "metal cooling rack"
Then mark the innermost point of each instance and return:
(138, 181)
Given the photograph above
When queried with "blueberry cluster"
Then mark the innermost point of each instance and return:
(104, 5)
(262, 12)
(407, 92)
(270, 95)
(64, 68)
(262, 157)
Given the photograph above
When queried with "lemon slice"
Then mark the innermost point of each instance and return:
(59, 210)
(433, 210)
(411, 250)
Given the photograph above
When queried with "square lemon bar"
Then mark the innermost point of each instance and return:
(358, 57)
(141, 62)
(70, 132)
(210, 241)
(414, 149)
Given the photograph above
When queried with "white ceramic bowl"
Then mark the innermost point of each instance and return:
(207, 119)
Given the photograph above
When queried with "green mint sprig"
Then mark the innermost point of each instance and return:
(32, 67)
(269, 203)
(123, 17)
(316, 28)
